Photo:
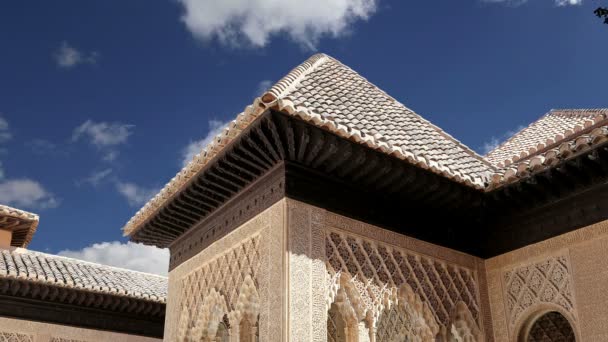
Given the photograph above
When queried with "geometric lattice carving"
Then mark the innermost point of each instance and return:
(221, 294)
(378, 269)
(406, 318)
(209, 316)
(248, 304)
(551, 327)
(225, 274)
(346, 310)
(183, 325)
(15, 337)
(464, 328)
(547, 281)
(335, 325)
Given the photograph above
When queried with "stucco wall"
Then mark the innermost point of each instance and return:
(245, 274)
(27, 331)
(367, 270)
(568, 274)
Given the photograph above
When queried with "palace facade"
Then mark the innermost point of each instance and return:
(329, 211)
(50, 298)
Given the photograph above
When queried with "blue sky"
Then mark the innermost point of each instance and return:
(99, 101)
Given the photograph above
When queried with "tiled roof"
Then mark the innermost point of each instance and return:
(22, 223)
(564, 149)
(553, 128)
(47, 269)
(330, 95)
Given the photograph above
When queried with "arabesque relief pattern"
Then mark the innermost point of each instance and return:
(222, 291)
(378, 270)
(546, 281)
(15, 337)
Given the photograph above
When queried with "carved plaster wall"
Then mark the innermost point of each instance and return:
(376, 280)
(532, 286)
(15, 337)
(562, 274)
(293, 263)
(18, 330)
(545, 281)
(237, 278)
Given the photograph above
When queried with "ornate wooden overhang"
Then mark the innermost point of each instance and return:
(37, 301)
(281, 156)
(307, 163)
(569, 195)
(21, 224)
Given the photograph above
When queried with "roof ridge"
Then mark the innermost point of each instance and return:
(435, 127)
(22, 214)
(517, 157)
(568, 148)
(26, 216)
(300, 72)
(579, 111)
(294, 77)
(277, 97)
(20, 250)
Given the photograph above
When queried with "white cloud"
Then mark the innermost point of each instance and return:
(96, 177)
(568, 2)
(68, 56)
(195, 147)
(26, 193)
(110, 155)
(493, 143)
(102, 134)
(490, 145)
(22, 193)
(128, 255)
(253, 22)
(45, 147)
(135, 194)
(262, 87)
(519, 2)
(5, 133)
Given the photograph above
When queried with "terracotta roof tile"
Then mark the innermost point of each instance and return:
(330, 95)
(77, 274)
(556, 126)
(23, 224)
(547, 158)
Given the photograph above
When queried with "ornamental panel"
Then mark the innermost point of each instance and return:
(224, 288)
(547, 281)
(379, 268)
(15, 337)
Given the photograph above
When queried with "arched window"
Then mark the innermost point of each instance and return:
(550, 327)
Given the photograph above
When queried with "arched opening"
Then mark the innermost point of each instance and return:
(550, 327)
(336, 325)
(248, 331)
(345, 315)
(222, 334)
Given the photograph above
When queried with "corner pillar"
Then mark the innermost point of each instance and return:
(306, 273)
